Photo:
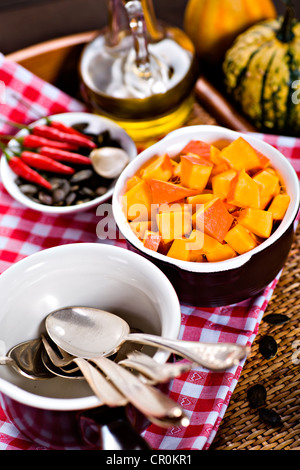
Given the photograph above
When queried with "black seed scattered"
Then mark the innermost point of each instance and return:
(276, 319)
(270, 417)
(268, 347)
(257, 396)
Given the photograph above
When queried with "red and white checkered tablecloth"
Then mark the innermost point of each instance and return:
(204, 395)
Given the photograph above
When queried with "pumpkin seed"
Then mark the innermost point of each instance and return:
(58, 195)
(81, 175)
(85, 191)
(270, 417)
(45, 198)
(101, 190)
(257, 396)
(28, 189)
(268, 347)
(70, 198)
(56, 182)
(276, 319)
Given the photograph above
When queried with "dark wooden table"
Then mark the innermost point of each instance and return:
(27, 22)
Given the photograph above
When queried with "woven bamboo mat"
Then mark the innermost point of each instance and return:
(241, 427)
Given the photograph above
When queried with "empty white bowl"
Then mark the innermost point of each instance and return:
(95, 275)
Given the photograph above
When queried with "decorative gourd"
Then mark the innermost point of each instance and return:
(213, 25)
(262, 74)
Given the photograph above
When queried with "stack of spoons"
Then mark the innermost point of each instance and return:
(85, 343)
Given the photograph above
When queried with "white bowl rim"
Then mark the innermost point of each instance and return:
(67, 118)
(194, 132)
(71, 404)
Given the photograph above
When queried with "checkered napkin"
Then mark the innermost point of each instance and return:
(204, 395)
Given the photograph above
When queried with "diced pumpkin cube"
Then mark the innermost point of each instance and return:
(215, 157)
(240, 239)
(179, 250)
(221, 253)
(195, 172)
(240, 155)
(197, 147)
(258, 221)
(174, 224)
(244, 191)
(268, 183)
(200, 244)
(137, 202)
(166, 192)
(151, 240)
(264, 161)
(213, 219)
(219, 168)
(140, 228)
(221, 183)
(220, 165)
(132, 182)
(202, 198)
(160, 168)
(279, 206)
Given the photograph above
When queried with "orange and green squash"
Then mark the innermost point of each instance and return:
(262, 74)
(212, 25)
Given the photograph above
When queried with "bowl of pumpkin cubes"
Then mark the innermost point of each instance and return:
(214, 209)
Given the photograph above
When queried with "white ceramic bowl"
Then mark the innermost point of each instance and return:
(97, 124)
(95, 275)
(233, 280)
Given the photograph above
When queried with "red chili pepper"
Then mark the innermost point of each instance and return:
(64, 156)
(62, 127)
(55, 134)
(24, 171)
(41, 162)
(33, 141)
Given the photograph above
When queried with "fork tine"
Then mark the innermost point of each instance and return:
(61, 360)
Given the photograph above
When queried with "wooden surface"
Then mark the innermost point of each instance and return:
(56, 61)
(27, 22)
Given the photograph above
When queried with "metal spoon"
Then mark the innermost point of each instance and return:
(127, 386)
(109, 161)
(158, 373)
(148, 400)
(101, 387)
(89, 333)
(26, 359)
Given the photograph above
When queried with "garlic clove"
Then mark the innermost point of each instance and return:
(109, 162)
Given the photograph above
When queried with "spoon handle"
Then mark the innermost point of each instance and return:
(147, 399)
(102, 388)
(219, 356)
(6, 361)
(158, 373)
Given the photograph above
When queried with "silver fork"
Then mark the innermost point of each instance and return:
(100, 385)
(157, 406)
(157, 373)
